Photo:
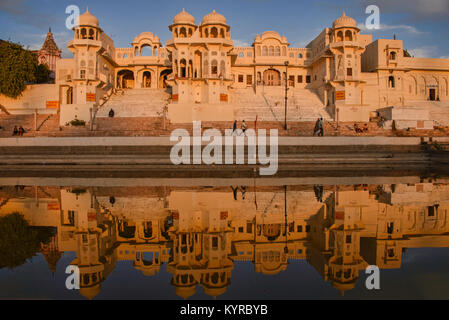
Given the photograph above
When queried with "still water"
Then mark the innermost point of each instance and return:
(224, 238)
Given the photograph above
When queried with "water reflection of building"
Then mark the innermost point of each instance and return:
(200, 232)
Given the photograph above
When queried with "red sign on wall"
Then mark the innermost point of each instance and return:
(91, 97)
(339, 215)
(340, 95)
(92, 216)
(53, 206)
(52, 104)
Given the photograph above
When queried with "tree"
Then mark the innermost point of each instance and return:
(42, 74)
(17, 67)
(19, 242)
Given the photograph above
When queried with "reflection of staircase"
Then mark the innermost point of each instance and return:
(4, 110)
(135, 103)
(3, 203)
(269, 105)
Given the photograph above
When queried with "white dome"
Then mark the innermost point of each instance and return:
(87, 19)
(183, 18)
(214, 18)
(345, 21)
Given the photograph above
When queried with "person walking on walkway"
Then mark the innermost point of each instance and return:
(244, 127)
(321, 134)
(234, 128)
(317, 130)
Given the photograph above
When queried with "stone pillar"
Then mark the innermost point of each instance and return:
(35, 120)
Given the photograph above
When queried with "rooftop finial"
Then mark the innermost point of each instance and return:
(87, 8)
(344, 13)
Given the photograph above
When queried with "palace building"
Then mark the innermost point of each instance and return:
(199, 74)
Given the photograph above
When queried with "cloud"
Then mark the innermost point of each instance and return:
(387, 27)
(414, 9)
(241, 43)
(445, 57)
(424, 52)
(24, 13)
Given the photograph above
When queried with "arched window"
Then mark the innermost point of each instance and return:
(214, 32)
(83, 69)
(206, 68)
(223, 69)
(258, 51)
(348, 35)
(241, 55)
(183, 65)
(284, 51)
(222, 34)
(214, 67)
(190, 32)
(91, 67)
(277, 52)
(392, 55)
(83, 33)
(391, 83)
(340, 36)
(264, 51)
(271, 51)
(146, 51)
(300, 56)
(136, 52)
(207, 33)
(91, 34)
(183, 33)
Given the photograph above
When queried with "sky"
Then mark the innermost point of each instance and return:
(422, 24)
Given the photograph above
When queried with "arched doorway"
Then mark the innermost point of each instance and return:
(69, 97)
(146, 79)
(183, 65)
(198, 64)
(163, 78)
(125, 79)
(272, 77)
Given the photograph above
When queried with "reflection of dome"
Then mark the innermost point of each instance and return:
(184, 18)
(214, 18)
(343, 287)
(185, 292)
(215, 292)
(344, 21)
(149, 272)
(87, 19)
(90, 292)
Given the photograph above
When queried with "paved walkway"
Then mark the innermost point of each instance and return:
(147, 127)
